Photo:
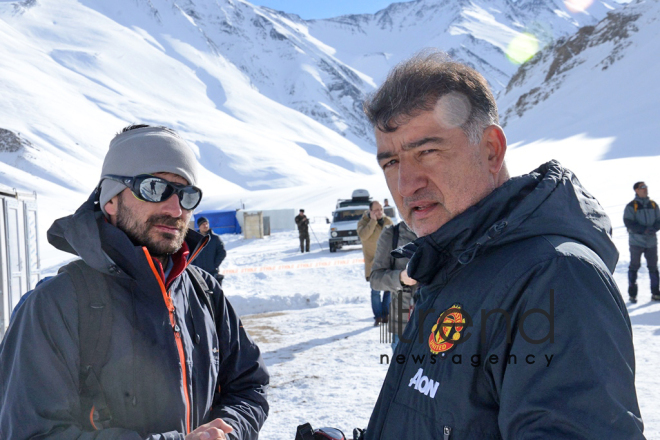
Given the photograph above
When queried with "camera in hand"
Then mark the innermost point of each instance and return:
(306, 432)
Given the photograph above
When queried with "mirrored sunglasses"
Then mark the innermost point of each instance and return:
(153, 189)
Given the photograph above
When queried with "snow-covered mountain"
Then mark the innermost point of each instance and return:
(600, 83)
(274, 51)
(188, 62)
(74, 72)
(270, 102)
(477, 32)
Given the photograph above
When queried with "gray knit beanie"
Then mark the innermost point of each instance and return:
(146, 150)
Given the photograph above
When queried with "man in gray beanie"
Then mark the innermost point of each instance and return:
(132, 341)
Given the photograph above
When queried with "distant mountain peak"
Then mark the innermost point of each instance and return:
(558, 60)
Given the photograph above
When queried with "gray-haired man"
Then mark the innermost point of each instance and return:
(177, 363)
(520, 330)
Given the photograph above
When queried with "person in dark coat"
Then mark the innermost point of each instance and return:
(213, 253)
(173, 370)
(303, 230)
(389, 274)
(520, 331)
(642, 219)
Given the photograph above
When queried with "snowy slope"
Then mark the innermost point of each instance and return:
(72, 77)
(478, 32)
(600, 82)
(273, 51)
(153, 67)
(74, 72)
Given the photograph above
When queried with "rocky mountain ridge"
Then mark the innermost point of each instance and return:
(559, 59)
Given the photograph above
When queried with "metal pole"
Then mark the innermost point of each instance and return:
(317, 240)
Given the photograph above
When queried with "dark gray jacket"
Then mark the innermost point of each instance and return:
(151, 392)
(385, 274)
(642, 219)
(212, 255)
(539, 343)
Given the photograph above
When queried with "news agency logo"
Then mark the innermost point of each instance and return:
(450, 328)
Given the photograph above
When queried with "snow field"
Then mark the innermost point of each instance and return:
(324, 364)
(316, 335)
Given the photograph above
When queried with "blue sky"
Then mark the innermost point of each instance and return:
(309, 9)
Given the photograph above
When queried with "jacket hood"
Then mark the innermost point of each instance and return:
(101, 245)
(548, 201)
(79, 234)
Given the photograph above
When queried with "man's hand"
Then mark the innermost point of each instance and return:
(649, 231)
(214, 430)
(405, 279)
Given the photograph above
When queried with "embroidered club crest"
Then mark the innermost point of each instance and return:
(447, 330)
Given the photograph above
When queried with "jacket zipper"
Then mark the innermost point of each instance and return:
(177, 336)
(447, 432)
(198, 249)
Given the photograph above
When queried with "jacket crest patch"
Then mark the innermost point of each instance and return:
(447, 330)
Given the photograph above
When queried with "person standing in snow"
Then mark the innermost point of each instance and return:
(303, 230)
(389, 274)
(213, 253)
(520, 330)
(369, 229)
(642, 219)
(177, 364)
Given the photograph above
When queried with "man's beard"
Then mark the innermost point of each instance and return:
(139, 232)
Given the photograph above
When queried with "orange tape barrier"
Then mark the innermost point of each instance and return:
(292, 266)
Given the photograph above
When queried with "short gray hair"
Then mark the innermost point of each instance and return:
(417, 84)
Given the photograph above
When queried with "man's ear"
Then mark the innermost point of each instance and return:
(111, 207)
(495, 142)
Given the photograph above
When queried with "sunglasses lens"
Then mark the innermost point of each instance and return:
(153, 189)
(156, 190)
(190, 197)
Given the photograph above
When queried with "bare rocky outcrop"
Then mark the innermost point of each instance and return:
(11, 142)
(559, 59)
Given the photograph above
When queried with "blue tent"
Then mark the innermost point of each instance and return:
(221, 222)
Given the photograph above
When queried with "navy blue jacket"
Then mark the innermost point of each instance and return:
(212, 255)
(538, 342)
(151, 391)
